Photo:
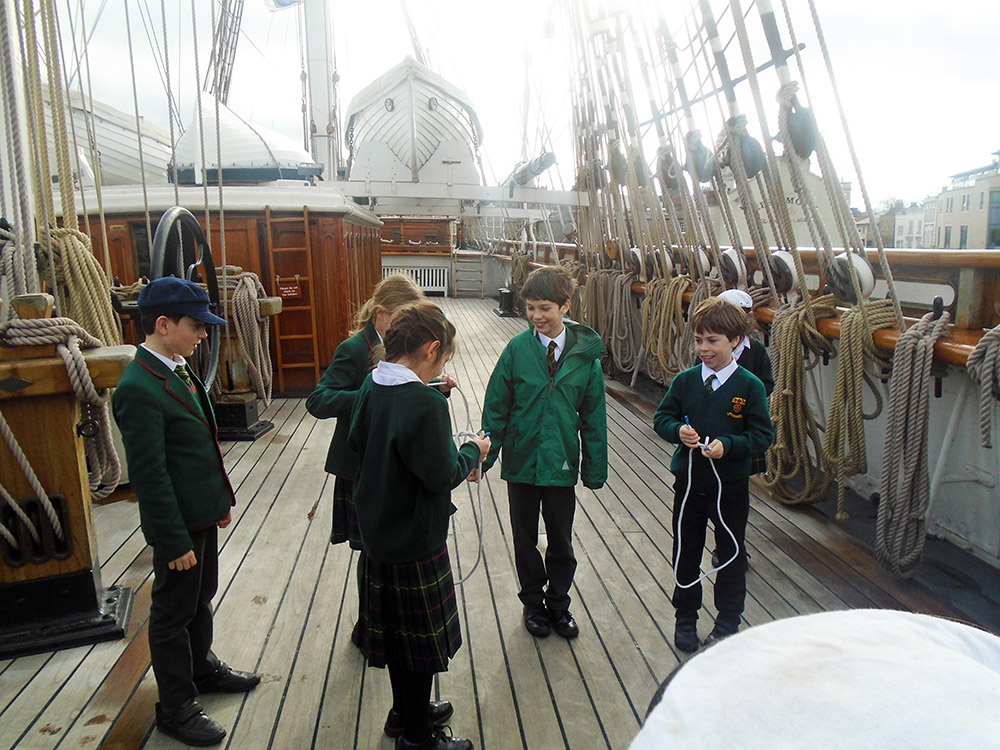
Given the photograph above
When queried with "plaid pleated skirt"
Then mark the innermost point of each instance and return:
(409, 613)
(345, 517)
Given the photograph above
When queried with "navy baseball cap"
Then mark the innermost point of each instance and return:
(173, 296)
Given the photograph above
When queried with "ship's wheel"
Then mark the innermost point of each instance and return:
(180, 249)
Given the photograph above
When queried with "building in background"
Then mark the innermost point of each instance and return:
(910, 226)
(968, 211)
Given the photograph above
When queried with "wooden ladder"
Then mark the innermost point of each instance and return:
(467, 273)
(292, 278)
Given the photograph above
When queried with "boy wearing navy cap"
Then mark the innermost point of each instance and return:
(176, 470)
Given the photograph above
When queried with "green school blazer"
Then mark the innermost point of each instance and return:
(174, 459)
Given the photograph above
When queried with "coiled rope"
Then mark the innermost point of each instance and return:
(67, 335)
(859, 362)
(983, 367)
(904, 491)
(245, 291)
(796, 430)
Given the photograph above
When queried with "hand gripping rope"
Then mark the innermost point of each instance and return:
(718, 507)
(461, 437)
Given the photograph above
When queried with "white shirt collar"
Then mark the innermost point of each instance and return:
(173, 364)
(721, 376)
(393, 373)
(740, 347)
(560, 341)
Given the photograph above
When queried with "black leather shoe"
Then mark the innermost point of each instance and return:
(563, 623)
(536, 620)
(441, 711)
(440, 739)
(189, 724)
(227, 680)
(724, 627)
(686, 635)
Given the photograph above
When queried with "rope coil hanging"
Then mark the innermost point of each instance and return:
(244, 291)
(904, 490)
(859, 362)
(790, 458)
(983, 367)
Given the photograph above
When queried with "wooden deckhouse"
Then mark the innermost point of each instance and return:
(309, 245)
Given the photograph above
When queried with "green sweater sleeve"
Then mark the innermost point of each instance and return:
(336, 391)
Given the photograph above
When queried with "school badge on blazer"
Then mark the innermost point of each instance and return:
(737, 410)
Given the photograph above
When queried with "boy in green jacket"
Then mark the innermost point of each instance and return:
(728, 405)
(177, 472)
(544, 406)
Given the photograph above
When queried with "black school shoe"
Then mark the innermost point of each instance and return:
(724, 627)
(227, 680)
(563, 623)
(189, 724)
(440, 739)
(686, 635)
(536, 620)
(441, 711)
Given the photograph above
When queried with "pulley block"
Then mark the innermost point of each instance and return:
(701, 163)
(783, 271)
(734, 270)
(802, 130)
(839, 277)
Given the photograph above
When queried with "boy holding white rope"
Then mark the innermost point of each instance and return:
(728, 405)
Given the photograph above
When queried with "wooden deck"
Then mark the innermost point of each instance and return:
(287, 601)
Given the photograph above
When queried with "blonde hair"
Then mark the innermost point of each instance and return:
(390, 294)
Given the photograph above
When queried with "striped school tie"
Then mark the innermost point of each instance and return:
(708, 383)
(550, 358)
(185, 376)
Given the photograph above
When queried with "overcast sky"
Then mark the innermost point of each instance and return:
(918, 78)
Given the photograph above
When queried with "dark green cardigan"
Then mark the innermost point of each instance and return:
(409, 466)
(737, 414)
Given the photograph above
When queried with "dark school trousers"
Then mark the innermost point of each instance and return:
(731, 581)
(180, 620)
(558, 505)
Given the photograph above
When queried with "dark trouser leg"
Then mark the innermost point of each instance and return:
(180, 620)
(731, 581)
(689, 530)
(525, 500)
(411, 696)
(558, 509)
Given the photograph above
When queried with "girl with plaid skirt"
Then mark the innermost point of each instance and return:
(336, 392)
(401, 431)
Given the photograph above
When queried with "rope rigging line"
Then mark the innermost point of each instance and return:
(93, 147)
(20, 263)
(904, 490)
(138, 126)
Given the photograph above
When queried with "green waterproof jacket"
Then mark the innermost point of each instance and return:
(544, 422)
